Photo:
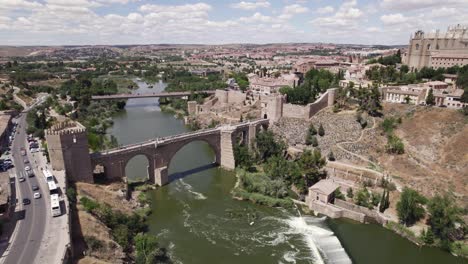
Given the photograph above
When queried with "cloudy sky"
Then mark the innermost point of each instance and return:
(68, 22)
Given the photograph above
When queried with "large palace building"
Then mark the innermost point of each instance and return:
(438, 50)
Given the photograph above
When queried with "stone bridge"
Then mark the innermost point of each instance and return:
(160, 151)
(148, 95)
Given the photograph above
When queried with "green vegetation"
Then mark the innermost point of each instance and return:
(444, 218)
(387, 60)
(148, 250)
(409, 207)
(243, 157)
(384, 201)
(331, 156)
(277, 175)
(349, 193)
(362, 198)
(310, 136)
(123, 227)
(394, 145)
(427, 236)
(241, 80)
(321, 131)
(430, 99)
(369, 100)
(266, 146)
(315, 82)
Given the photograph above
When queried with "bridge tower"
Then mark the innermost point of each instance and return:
(67, 143)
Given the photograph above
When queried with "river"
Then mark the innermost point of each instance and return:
(196, 218)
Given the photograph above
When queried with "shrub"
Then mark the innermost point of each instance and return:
(394, 145)
(93, 243)
(349, 193)
(321, 131)
(89, 204)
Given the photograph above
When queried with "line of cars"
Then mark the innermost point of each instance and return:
(28, 173)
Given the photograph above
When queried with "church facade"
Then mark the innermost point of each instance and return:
(438, 49)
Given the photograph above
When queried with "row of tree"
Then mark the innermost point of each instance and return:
(444, 216)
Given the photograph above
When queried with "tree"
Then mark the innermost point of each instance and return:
(444, 214)
(384, 201)
(321, 131)
(427, 236)
(242, 156)
(267, 146)
(331, 156)
(430, 100)
(369, 100)
(349, 193)
(409, 207)
(311, 140)
(362, 197)
(311, 164)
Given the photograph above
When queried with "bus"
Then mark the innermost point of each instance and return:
(55, 205)
(47, 175)
(52, 188)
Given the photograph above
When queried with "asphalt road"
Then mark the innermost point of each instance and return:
(26, 243)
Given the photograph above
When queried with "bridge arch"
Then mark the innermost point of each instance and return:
(140, 164)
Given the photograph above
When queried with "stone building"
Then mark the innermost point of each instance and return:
(323, 191)
(438, 49)
(67, 143)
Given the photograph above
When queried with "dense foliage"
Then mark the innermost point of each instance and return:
(409, 207)
(315, 82)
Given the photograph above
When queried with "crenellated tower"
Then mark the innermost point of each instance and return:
(68, 148)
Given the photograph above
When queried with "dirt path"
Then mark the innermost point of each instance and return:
(339, 145)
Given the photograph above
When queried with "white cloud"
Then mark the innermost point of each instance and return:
(199, 7)
(326, 10)
(18, 4)
(257, 17)
(393, 19)
(347, 15)
(409, 5)
(251, 5)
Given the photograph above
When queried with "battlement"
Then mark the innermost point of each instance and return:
(66, 128)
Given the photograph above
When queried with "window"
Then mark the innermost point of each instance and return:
(417, 46)
(428, 46)
(437, 46)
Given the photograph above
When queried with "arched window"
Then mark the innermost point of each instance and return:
(428, 46)
(417, 46)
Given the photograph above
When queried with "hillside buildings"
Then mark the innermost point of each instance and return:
(438, 49)
(444, 95)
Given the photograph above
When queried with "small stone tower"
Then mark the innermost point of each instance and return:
(67, 143)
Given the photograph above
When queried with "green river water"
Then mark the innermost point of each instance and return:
(196, 218)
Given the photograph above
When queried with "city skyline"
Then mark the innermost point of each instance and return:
(111, 22)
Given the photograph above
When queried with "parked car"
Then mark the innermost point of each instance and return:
(37, 195)
(26, 201)
(35, 187)
(30, 173)
(34, 150)
(26, 161)
(27, 168)
(21, 179)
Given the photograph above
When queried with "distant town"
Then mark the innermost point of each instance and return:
(172, 153)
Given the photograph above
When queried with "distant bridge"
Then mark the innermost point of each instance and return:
(148, 95)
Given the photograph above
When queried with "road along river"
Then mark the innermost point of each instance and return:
(196, 218)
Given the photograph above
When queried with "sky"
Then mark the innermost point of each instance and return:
(105, 22)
